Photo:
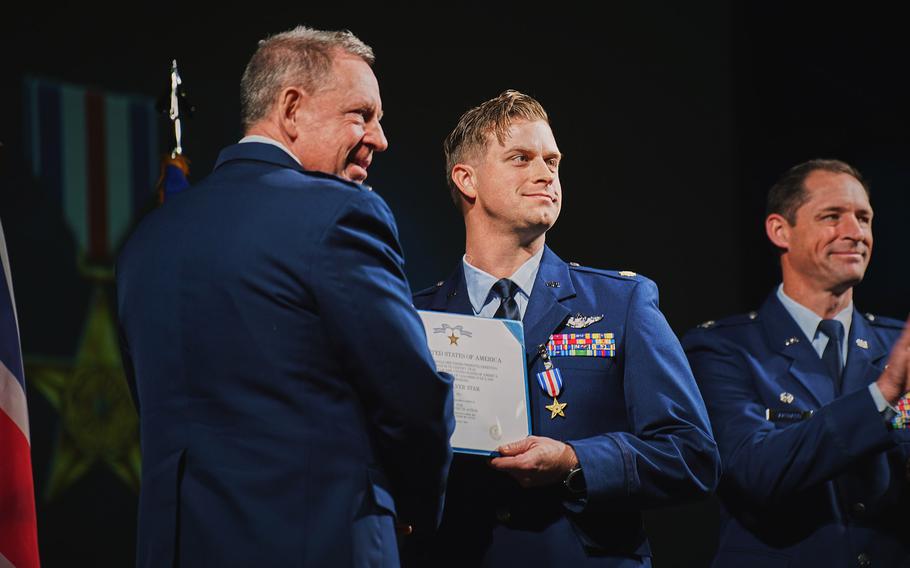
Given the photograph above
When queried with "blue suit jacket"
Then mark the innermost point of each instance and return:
(830, 490)
(287, 397)
(636, 422)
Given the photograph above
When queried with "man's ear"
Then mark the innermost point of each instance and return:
(778, 230)
(290, 103)
(465, 178)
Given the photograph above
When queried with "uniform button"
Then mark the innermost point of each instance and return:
(864, 560)
(503, 515)
(858, 509)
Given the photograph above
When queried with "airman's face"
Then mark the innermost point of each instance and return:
(831, 242)
(339, 124)
(517, 183)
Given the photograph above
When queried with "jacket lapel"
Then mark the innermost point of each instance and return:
(864, 355)
(545, 312)
(805, 364)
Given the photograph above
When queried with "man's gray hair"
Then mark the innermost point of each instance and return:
(298, 57)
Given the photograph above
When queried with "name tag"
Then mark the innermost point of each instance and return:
(787, 415)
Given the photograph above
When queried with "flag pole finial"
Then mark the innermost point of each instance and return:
(174, 112)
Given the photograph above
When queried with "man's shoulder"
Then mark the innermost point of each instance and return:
(739, 329)
(329, 187)
(429, 291)
(423, 297)
(263, 156)
(620, 275)
(331, 197)
(616, 288)
(888, 329)
(435, 297)
(604, 276)
(884, 322)
(729, 323)
(286, 200)
(333, 181)
(272, 168)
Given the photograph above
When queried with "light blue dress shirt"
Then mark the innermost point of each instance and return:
(480, 283)
(808, 321)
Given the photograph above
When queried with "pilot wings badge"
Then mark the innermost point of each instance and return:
(579, 321)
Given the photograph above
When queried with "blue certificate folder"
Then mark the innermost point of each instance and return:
(487, 359)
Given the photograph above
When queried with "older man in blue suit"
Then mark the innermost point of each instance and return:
(289, 404)
(805, 399)
(620, 426)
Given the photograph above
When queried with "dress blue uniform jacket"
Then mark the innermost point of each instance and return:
(287, 397)
(636, 422)
(828, 490)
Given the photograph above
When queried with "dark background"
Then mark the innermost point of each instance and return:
(674, 120)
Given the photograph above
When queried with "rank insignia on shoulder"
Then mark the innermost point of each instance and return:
(574, 264)
(870, 317)
(627, 273)
(791, 341)
(440, 283)
(707, 324)
(786, 398)
(579, 321)
(753, 315)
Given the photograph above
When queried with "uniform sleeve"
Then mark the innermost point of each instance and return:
(668, 455)
(765, 462)
(370, 321)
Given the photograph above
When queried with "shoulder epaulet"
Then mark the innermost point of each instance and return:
(617, 274)
(431, 290)
(882, 321)
(738, 319)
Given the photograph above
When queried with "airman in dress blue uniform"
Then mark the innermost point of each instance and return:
(289, 404)
(806, 394)
(618, 424)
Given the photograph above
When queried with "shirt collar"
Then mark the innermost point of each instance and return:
(479, 282)
(807, 320)
(267, 140)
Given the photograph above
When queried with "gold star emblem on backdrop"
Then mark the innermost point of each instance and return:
(97, 420)
(453, 339)
(556, 408)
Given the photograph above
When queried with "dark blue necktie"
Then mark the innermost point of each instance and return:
(832, 356)
(505, 290)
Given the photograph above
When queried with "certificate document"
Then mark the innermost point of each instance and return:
(487, 358)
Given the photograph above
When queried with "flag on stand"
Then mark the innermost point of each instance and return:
(18, 525)
(175, 166)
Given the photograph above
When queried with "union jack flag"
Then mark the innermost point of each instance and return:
(18, 527)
